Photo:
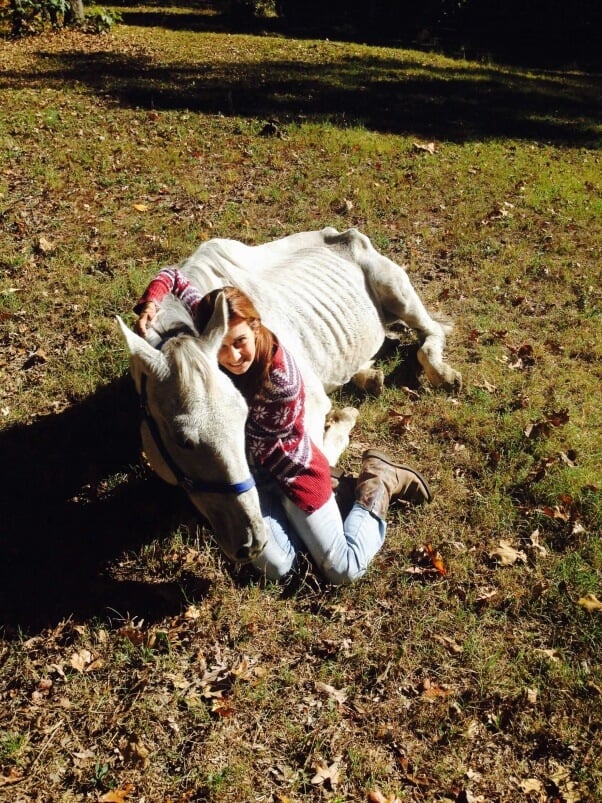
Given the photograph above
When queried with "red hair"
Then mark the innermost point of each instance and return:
(241, 308)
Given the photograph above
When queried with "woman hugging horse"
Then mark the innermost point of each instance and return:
(293, 477)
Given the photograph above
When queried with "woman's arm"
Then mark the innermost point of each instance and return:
(168, 280)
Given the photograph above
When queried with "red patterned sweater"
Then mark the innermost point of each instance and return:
(275, 429)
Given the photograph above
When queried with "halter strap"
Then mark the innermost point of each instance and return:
(189, 484)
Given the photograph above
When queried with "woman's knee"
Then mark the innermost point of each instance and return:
(274, 563)
(342, 575)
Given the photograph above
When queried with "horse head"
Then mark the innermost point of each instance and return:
(193, 427)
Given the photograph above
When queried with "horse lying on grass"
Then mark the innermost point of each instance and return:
(329, 298)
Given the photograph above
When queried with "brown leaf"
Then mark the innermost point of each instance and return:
(44, 246)
(485, 385)
(555, 512)
(80, 660)
(327, 773)
(538, 473)
(429, 147)
(337, 694)
(542, 427)
(117, 795)
(221, 707)
(432, 690)
(590, 602)
(569, 457)
(377, 797)
(399, 422)
(37, 358)
(506, 554)
(435, 558)
(135, 752)
(448, 642)
(132, 634)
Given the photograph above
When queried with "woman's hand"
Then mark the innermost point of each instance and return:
(148, 312)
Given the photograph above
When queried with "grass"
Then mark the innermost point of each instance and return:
(135, 662)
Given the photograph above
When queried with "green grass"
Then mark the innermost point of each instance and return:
(121, 154)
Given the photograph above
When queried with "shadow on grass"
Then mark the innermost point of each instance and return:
(62, 524)
(527, 38)
(461, 102)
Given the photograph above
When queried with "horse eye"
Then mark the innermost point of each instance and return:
(185, 443)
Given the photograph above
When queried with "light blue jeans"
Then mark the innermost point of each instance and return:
(341, 550)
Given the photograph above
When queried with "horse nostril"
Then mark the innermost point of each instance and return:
(243, 554)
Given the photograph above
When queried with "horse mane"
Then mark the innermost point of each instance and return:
(176, 328)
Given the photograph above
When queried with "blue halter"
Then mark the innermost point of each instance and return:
(189, 484)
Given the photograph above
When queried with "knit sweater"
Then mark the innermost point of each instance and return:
(276, 438)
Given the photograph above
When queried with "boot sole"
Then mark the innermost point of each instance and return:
(386, 459)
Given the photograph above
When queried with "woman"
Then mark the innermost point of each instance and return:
(292, 474)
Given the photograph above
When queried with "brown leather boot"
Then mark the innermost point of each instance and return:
(381, 480)
(343, 486)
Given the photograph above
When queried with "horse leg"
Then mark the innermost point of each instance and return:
(391, 286)
(339, 424)
(370, 379)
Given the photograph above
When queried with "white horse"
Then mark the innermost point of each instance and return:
(328, 297)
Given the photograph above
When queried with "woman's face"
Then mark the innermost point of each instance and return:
(237, 352)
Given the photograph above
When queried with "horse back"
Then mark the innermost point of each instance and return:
(312, 295)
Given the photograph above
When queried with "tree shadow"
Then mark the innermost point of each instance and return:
(514, 37)
(461, 103)
(73, 502)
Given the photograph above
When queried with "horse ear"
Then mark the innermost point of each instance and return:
(217, 328)
(142, 354)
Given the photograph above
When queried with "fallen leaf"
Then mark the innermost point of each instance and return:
(569, 457)
(135, 752)
(117, 795)
(486, 594)
(80, 660)
(542, 427)
(141, 207)
(506, 554)
(531, 785)
(327, 772)
(413, 394)
(44, 246)
(377, 797)
(448, 642)
(337, 694)
(535, 545)
(432, 690)
(429, 147)
(435, 558)
(555, 512)
(485, 385)
(590, 602)
(524, 357)
(399, 422)
(221, 707)
(132, 634)
(561, 778)
(38, 357)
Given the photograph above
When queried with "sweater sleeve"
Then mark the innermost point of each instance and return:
(170, 280)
